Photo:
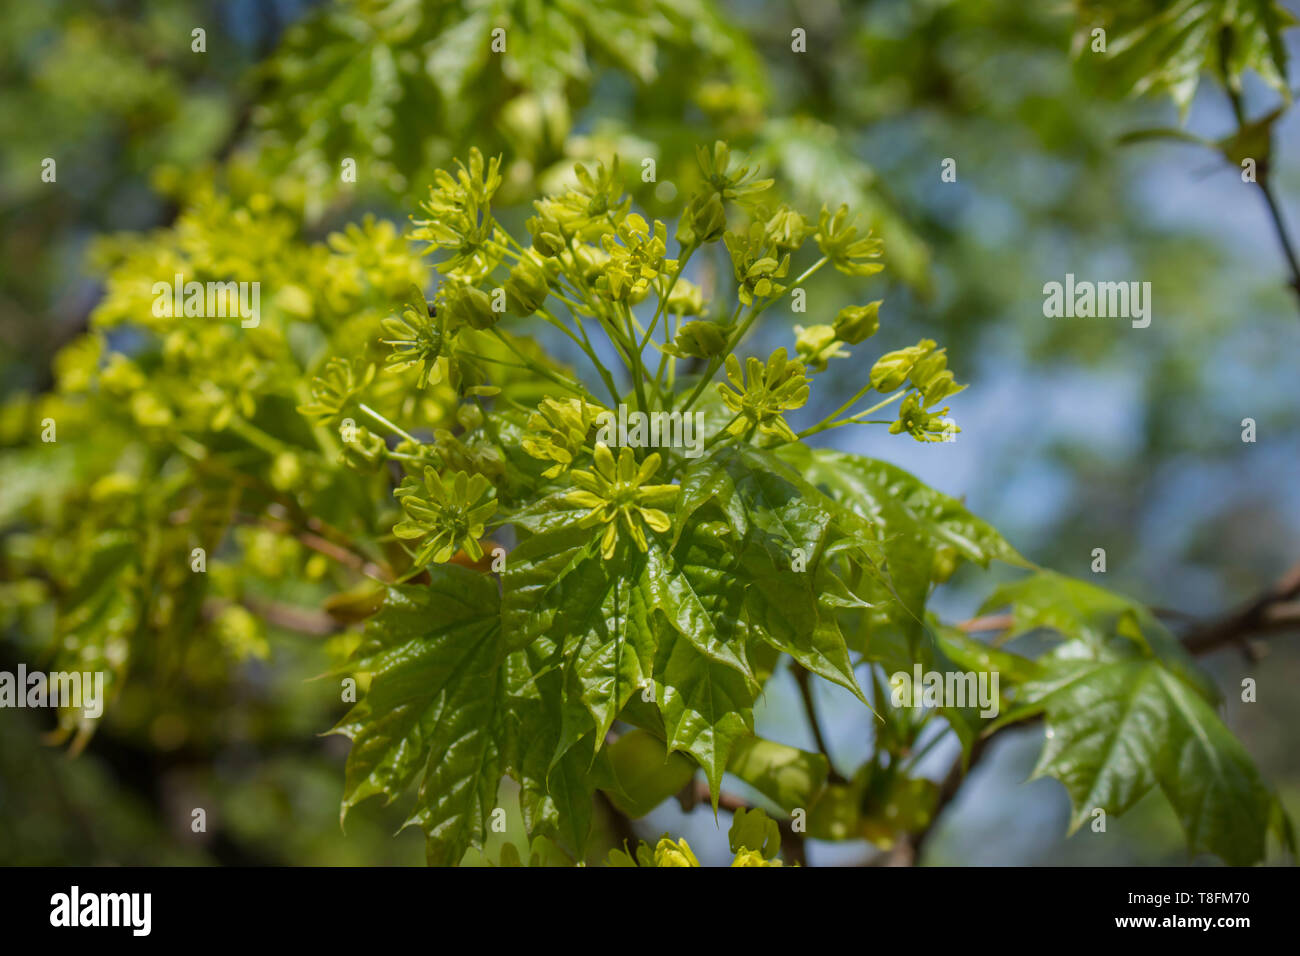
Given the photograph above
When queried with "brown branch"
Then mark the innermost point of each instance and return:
(1279, 227)
(304, 620)
(1262, 178)
(952, 782)
(625, 833)
(989, 622)
(1276, 609)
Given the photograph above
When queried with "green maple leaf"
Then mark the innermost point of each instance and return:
(921, 535)
(555, 794)
(697, 590)
(707, 706)
(1116, 728)
(435, 708)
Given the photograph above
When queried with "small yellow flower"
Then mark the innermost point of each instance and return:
(818, 344)
(755, 263)
(449, 517)
(460, 217)
(746, 857)
(674, 853)
(763, 393)
(583, 211)
(336, 386)
(418, 338)
(838, 240)
(618, 490)
(636, 259)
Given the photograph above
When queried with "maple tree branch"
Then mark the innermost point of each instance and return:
(1279, 227)
(1277, 608)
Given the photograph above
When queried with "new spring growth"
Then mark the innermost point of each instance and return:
(606, 278)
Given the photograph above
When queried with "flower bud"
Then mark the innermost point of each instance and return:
(591, 261)
(816, 345)
(892, 368)
(548, 236)
(526, 288)
(857, 322)
(940, 387)
(787, 229)
(466, 305)
(699, 339)
(927, 367)
(469, 417)
(707, 219)
(365, 452)
(686, 299)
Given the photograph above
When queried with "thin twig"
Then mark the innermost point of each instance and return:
(802, 678)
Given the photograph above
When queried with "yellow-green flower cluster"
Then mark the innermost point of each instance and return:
(755, 266)
(705, 217)
(559, 430)
(924, 368)
(816, 345)
(338, 385)
(585, 212)
(460, 218)
(637, 257)
(731, 183)
(670, 852)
